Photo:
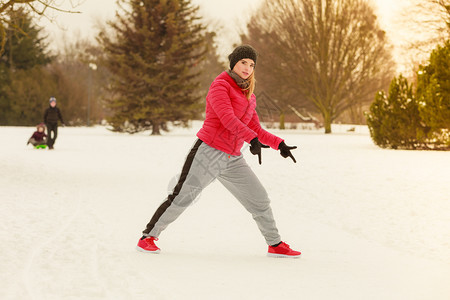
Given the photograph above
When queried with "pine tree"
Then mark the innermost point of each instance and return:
(433, 93)
(394, 120)
(28, 93)
(152, 54)
(419, 120)
(22, 60)
(25, 47)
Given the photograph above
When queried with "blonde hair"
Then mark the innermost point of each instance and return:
(251, 87)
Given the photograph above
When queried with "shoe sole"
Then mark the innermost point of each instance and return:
(147, 251)
(282, 255)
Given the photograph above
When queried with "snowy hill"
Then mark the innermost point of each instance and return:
(371, 223)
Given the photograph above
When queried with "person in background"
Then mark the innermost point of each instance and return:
(51, 117)
(39, 138)
(230, 121)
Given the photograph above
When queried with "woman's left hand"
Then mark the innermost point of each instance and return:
(285, 150)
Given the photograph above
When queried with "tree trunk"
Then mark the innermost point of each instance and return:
(156, 128)
(327, 122)
(282, 121)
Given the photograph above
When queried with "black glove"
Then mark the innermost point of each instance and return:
(255, 148)
(285, 150)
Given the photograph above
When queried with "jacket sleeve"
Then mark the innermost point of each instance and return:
(264, 136)
(60, 116)
(220, 101)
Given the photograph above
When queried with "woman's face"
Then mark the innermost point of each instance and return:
(244, 68)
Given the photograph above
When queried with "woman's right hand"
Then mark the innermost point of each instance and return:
(255, 148)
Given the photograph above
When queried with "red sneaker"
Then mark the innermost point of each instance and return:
(283, 250)
(148, 245)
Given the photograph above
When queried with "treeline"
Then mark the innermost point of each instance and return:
(30, 75)
(92, 82)
(153, 63)
(156, 59)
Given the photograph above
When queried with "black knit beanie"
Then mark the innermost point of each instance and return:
(241, 52)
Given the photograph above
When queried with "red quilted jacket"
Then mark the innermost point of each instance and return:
(231, 118)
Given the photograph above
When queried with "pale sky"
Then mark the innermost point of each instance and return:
(224, 14)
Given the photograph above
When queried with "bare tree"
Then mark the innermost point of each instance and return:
(428, 24)
(38, 7)
(431, 16)
(330, 55)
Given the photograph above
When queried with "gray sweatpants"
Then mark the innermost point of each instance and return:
(203, 165)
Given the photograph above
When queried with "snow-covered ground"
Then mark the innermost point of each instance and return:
(371, 223)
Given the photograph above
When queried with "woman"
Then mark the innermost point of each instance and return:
(230, 120)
